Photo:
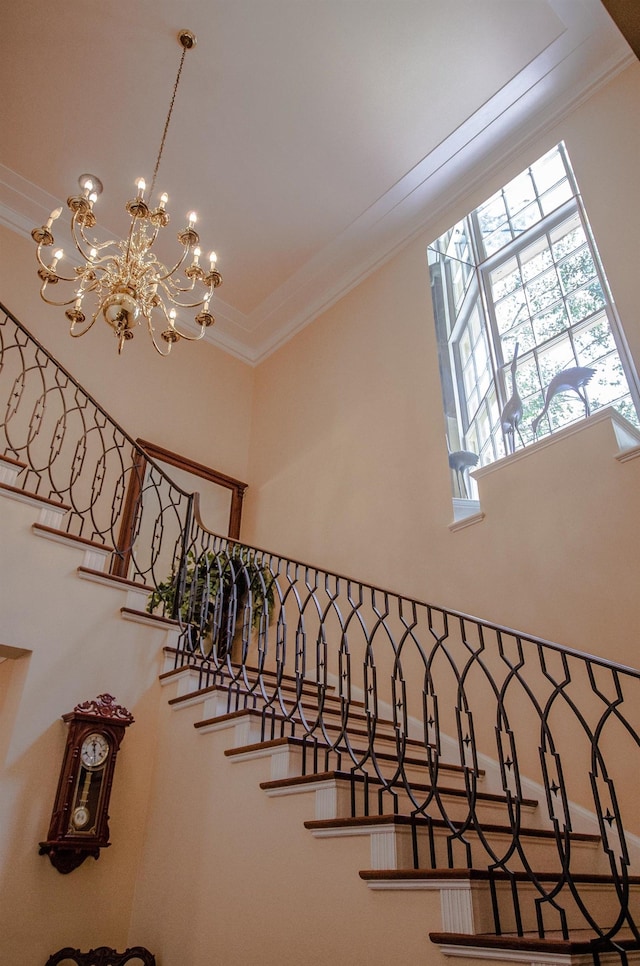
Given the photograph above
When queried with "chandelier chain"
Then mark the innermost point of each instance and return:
(166, 123)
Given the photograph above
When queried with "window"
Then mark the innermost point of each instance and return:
(519, 294)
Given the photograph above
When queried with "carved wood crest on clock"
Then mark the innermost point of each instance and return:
(80, 819)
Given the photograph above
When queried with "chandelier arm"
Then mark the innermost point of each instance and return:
(178, 332)
(184, 305)
(77, 335)
(191, 338)
(52, 301)
(78, 294)
(152, 334)
(174, 291)
(170, 286)
(78, 227)
(179, 263)
(99, 246)
(47, 268)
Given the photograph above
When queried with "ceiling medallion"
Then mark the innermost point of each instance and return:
(124, 280)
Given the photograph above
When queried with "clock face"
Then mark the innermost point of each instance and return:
(81, 816)
(94, 751)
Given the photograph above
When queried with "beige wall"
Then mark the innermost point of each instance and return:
(79, 647)
(355, 475)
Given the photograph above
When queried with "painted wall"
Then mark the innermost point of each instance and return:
(77, 647)
(355, 476)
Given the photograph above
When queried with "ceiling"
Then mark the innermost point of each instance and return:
(313, 137)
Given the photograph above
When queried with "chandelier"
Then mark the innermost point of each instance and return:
(123, 280)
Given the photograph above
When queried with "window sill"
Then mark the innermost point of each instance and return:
(626, 436)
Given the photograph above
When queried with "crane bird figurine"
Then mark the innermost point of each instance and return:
(572, 379)
(460, 460)
(512, 412)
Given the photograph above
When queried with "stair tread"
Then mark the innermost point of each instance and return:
(117, 582)
(374, 780)
(309, 742)
(201, 662)
(253, 688)
(282, 718)
(37, 497)
(580, 941)
(69, 537)
(19, 464)
(391, 819)
(597, 878)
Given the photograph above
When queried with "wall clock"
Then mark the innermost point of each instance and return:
(80, 819)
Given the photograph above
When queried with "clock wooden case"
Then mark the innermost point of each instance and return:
(80, 819)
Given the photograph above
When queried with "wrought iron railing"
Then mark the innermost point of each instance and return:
(73, 452)
(493, 750)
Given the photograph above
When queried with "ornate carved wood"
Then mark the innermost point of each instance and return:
(103, 956)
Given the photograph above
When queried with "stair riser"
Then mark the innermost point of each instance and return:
(467, 906)
(392, 848)
(214, 705)
(600, 902)
(335, 799)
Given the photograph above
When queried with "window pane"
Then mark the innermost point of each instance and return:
(474, 327)
(481, 355)
(567, 237)
(543, 290)
(526, 218)
(549, 170)
(585, 301)
(464, 347)
(523, 335)
(492, 214)
(536, 258)
(484, 380)
(558, 356)
(510, 309)
(552, 199)
(594, 340)
(496, 241)
(550, 322)
(519, 193)
(576, 270)
(608, 383)
(505, 279)
(469, 380)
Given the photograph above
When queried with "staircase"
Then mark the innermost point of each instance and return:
(468, 769)
(409, 852)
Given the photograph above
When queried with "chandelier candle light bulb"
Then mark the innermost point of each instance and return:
(52, 217)
(123, 280)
